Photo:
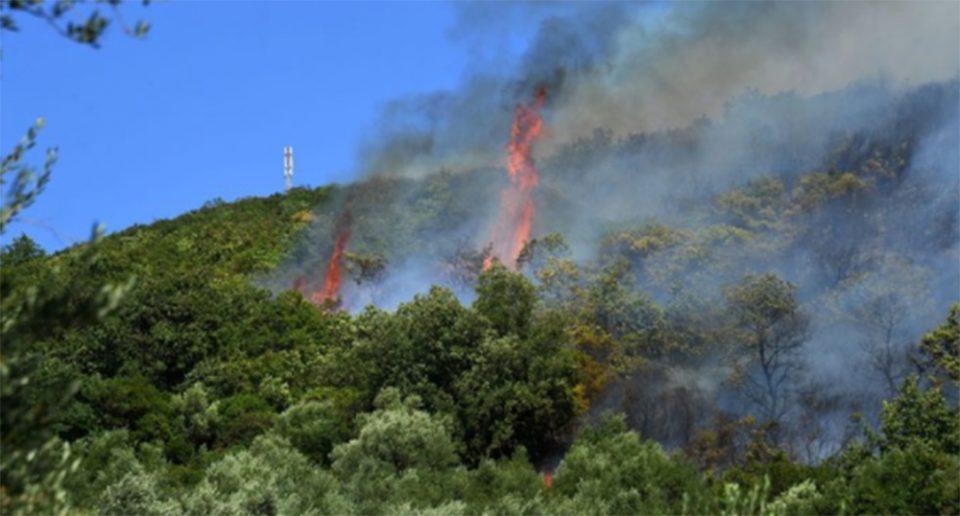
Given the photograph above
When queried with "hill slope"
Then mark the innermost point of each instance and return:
(723, 322)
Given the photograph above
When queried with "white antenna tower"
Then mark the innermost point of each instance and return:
(288, 168)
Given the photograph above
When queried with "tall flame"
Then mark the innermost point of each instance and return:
(517, 208)
(331, 281)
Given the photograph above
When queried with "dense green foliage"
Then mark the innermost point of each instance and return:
(203, 393)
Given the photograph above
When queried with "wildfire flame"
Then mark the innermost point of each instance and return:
(331, 281)
(517, 208)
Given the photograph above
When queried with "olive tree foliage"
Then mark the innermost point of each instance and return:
(768, 330)
(26, 182)
(400, 451)
(77, 20)
(613, 471)
(21, 181)
(33, 309)
(200, 414)
(394, 438)
(270, 477)
(35, 462)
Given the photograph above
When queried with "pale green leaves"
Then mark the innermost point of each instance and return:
(26, 181)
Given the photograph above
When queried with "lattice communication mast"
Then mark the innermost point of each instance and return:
(288, 168)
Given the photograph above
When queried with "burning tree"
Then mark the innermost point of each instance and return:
(332, 278)
(517, 208)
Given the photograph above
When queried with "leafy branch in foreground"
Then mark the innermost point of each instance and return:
(86, 31)
(27, 183)
(35, 462)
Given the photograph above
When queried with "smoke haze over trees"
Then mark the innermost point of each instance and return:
(684, 152)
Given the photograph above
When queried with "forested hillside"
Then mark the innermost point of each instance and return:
(673, 259)
(679, 368)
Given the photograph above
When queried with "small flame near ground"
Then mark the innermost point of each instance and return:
(330, 291)
(548, 479)
(517, 208)
(331, 280)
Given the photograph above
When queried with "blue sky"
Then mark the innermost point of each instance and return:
(148, 129)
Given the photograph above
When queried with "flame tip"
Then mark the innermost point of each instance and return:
(517, 209)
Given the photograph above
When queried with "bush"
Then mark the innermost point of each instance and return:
(268, 478)
(314, 428)
(917, 479)
(243, 417)
(396, 437)
(611, 467)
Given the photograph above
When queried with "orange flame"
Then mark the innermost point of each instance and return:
(517, 209)
(331, 281)
(548, 479)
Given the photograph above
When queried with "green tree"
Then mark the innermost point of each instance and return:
(769, 328)
(519, 392)
(421, 349)
(242, 418)
(395, 437)
(940, 348)
(916, 479)
(506, 299)
(613, 471)
(401, 453)
(315, 427)
(613, 302)
(34, 461)
(21, 250)
(919, 415)
(270, 477)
